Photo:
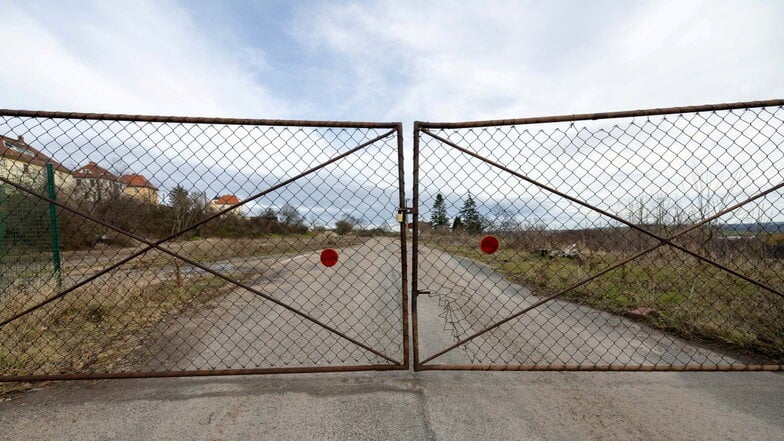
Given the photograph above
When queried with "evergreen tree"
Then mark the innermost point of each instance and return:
(457, 224)
(470, 216)
(439, 219)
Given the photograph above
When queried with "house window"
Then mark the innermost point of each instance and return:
(15, 147)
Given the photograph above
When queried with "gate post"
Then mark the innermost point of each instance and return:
(403, 239)
(54, 225)
(3, 215)
(415, 251)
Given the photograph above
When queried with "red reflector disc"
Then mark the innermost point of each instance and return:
(329, 257)
(489, 244)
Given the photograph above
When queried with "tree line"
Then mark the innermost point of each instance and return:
(468, 218)
(26, 221)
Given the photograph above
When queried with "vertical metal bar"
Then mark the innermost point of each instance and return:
(403, 239)
(3, 215)
(54, 225)
(415, 251)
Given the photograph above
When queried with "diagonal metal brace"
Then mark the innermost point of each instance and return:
(664, 240)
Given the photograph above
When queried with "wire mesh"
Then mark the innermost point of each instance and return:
(650, 240)
(191, 245)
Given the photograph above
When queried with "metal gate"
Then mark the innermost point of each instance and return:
(135, 246)
(640, 240)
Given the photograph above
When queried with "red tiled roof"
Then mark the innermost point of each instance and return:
(30, 154)
(137, 181)
(227, 199)
(94, 171)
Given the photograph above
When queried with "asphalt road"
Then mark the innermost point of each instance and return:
(466, 297)
(407, 406)
(239, 330)
(360, 297)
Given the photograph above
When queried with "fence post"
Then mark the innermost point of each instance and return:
(3, 215)
(54, 225)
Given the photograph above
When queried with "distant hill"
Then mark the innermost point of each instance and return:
(765, 227)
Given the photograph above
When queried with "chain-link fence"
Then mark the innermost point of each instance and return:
(635, 240)
(193, 246)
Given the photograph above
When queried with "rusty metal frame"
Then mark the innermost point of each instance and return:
(423, 127)
(415, 249)
(395, 129)
(404, 300)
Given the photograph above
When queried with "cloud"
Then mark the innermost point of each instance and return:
(450, 61)
(387, 60)
(458, 61)
(382, 60)
(126, 57)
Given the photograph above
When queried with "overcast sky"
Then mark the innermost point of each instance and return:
(386, 60)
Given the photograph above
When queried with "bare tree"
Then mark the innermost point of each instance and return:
(506, 221)
(118, 166)
(290, 216)
(187, 208)
(346, 224)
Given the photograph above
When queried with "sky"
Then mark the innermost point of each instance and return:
(386, 60)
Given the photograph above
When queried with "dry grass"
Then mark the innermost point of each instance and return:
(99, 327)
(103, 326)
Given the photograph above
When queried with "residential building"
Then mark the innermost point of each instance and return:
(27, 165)
(224, 202)
(96, 183)
(140, 188)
